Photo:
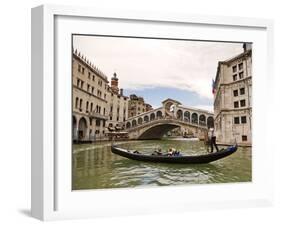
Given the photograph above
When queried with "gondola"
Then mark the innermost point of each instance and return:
(197, 159)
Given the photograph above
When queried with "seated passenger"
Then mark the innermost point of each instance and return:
(170, 152)
(159, 151)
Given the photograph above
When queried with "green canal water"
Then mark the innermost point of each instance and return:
(95, 167)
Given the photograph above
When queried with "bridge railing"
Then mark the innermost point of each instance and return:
(165, 120)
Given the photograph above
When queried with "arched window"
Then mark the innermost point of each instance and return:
(159, 114)
(134, 123)
(210, 122)
(187, 116)
(82, 128)
(146, 119)
(139, 121)
(152, 116)
(194, 118)
(179, 114)
(202, 120)
(128, 125)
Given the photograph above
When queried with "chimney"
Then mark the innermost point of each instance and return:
(247, 46)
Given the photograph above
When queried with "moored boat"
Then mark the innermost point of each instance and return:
(182, 159)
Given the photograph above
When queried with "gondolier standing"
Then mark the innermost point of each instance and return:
(212, 139)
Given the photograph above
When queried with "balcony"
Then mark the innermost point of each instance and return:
(96, 115)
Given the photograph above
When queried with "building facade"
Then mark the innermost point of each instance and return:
(117, 106)
(96, 105)
(137, 106)
(233, 99)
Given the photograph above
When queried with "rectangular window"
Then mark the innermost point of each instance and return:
(93, 78)
(235, 92)
(236, 120)
(235, 77)
(80, 105)
(234, 68)
(243, 119)
(83, 70)
(240, 66)
(241, 75)
(244, 138)
(89, 75)
(78, 82)
(88, 88)
(242, 91)
(242, 103)
(82, 83)
(236, 104)
(97, 122)
(93, 90)
(76, 102)
(79, 67)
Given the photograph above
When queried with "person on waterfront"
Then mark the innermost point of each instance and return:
(212, 139)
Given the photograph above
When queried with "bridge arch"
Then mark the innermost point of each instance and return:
(157, 129)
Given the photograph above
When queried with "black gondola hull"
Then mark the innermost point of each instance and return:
(199, 159)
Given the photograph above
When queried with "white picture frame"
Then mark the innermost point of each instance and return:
(52, 197)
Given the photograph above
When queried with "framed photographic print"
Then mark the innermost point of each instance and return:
(134, 112)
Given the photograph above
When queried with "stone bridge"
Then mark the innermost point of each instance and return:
(156, 123)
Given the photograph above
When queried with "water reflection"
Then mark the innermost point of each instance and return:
(94, 166)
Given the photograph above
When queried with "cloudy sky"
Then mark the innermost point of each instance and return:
(159, 69)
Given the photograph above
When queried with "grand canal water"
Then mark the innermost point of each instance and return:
(95, 167)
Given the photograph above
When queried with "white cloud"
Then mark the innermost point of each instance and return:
(147, 63)
(204, 107)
